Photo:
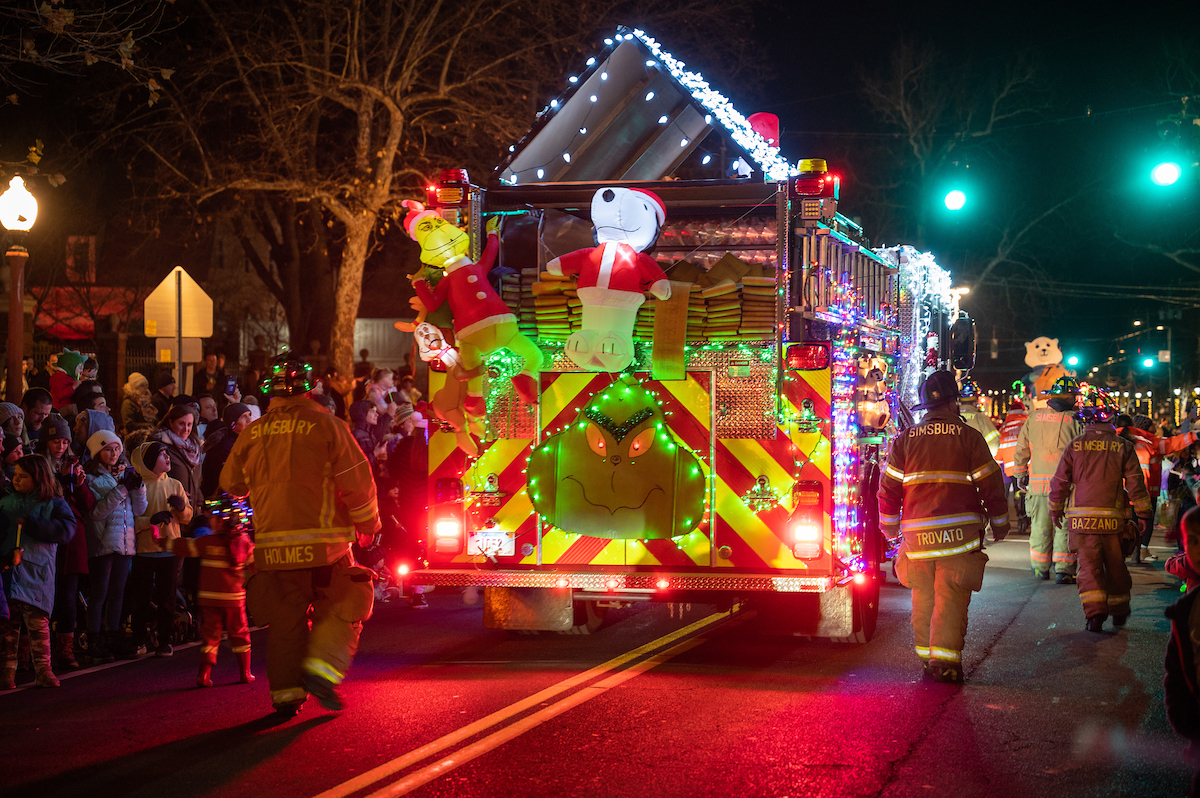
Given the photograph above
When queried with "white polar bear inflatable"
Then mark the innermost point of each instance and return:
(614, 275)
(1042, 351)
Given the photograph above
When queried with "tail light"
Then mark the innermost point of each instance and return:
(807, 524)
(448, 535)
(808, 357)
(447, 517)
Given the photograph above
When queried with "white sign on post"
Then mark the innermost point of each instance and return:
(179, 308)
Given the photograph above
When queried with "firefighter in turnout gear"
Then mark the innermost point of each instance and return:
(1040, 445)
(312, 492)
(968, 395)
(1097, 479)
(1005, 454)
(940, 490)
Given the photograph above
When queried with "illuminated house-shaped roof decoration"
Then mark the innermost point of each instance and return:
(634, 113)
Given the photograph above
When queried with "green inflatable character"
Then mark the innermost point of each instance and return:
(617, 472)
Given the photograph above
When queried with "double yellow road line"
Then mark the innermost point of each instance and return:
(498, 738)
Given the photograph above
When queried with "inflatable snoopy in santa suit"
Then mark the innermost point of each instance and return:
(613, 276)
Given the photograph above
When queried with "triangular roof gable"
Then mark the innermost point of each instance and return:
(633, 114)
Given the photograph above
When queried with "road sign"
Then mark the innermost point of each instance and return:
(193, 350)
(1164, 356)
(178, 308)
(178, 296)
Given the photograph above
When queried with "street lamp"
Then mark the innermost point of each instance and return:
(18, 212)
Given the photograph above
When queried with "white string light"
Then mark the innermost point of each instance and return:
(767, 157)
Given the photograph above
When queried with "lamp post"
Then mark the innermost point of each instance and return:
(18, 212)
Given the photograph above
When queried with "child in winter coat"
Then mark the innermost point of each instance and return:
(222, 597)
(155, 572)
(119, 498)
(34, 519)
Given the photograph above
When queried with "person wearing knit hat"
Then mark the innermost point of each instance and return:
(63, 383)
(154, 570)
(137, 411)
(483, 323)
(218, 443)
(164, 394)
(12, 418)
(101, 439)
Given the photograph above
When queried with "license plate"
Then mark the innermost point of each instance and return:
(496, 543)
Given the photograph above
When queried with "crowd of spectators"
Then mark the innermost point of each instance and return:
(90, 490)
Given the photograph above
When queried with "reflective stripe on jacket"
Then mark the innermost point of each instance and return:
(309, 484)
(977, 420)
(1100, 475)
(940, 487)
(1009, 430)
(1150, 451)
(1040, 445)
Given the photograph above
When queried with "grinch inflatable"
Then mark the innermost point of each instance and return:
(483, 324)
(617, 472)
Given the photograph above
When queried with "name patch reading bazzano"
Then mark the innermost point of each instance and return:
(1096, 524)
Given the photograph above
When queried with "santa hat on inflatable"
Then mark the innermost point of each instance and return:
(660, 210)
(416, 212)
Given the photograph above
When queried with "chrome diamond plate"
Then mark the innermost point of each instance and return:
(746, 402)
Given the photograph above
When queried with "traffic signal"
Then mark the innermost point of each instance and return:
(1166, 173)
(1148, 363)
(1073, 360)
(955, 200)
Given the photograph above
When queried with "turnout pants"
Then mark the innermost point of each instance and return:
(1048, 549)
(941, 593)
(231, 619)
(1104, 581)
(336, 599)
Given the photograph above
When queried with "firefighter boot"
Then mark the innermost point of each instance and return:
(324, 690)
(204, 677)
(287, 703)
(1064, 579)
(1096, 623)
(946, 672)
(66, 651)
(244, 662)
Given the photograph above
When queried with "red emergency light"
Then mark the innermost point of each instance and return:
(808, 357)
(452, 189)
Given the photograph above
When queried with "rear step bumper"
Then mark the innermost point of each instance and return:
(630, 581)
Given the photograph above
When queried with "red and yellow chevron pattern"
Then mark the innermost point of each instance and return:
(732, 537)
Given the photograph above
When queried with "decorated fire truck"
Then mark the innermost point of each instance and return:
(657, 384)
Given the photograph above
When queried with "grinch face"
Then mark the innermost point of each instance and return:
(441, 242)
(617, 472)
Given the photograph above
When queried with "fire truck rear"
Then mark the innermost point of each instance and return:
(737, 458)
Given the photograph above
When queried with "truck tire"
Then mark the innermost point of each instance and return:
(866, 608)
(588, 618)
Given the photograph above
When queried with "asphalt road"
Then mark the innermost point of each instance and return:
(705, 705)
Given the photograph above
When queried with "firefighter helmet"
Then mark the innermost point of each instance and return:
(938, 388)
(969, 389)
(1099, 406)
(1063, 388)
(288, 375)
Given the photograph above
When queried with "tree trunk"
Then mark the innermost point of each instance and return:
(349, 293)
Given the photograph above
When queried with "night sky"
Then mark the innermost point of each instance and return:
(1090, 56)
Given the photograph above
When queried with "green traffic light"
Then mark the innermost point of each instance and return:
(1166, 173)
(955, 200)
(1148, 362)
(1073, 361)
